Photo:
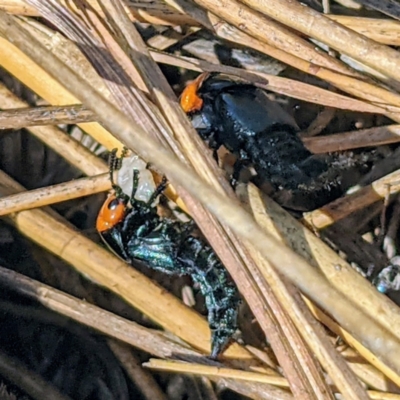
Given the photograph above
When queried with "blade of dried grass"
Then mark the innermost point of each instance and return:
(205, 166)
(308, 279)
(371, 137)
(54, 194)
(339, 273)
(312, 23)
(385, 31)
(44, 115)
(152, 12)
(214, 371)
(362, 198)
(382, 396)
(281, 315)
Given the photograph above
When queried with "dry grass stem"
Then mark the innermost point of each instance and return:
(312, 333)
(214, 371)
(54, 194)
(355, 139)
(344, 206)
(45, 115)
(335, 269)
(353, 286)
(385, 31)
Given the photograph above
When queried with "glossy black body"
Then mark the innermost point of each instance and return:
(243, 119)
(171, 247)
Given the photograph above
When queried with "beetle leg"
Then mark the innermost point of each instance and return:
(241, 162)
(160, 188)
(135, 184)
(187, 228)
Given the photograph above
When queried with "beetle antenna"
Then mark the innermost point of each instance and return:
(114, 164)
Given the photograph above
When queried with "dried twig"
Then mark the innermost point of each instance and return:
(54, 194)
(45, 115)
(344, 206)
(355, 139)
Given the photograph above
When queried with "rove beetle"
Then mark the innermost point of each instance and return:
(260, 133)
(133, 229)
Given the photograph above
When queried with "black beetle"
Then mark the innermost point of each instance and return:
(133, 229)
(260, 133)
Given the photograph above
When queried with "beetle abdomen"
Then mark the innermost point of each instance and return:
(281, 157)
(220, 293)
